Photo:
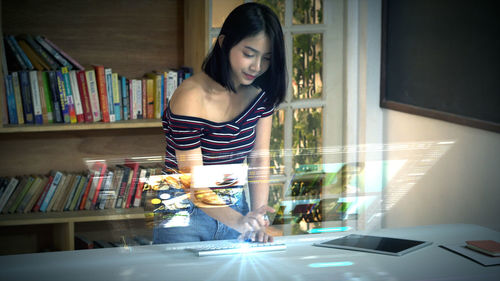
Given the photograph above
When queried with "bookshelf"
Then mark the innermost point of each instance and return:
(133, 38)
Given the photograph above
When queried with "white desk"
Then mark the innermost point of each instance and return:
(300, 261)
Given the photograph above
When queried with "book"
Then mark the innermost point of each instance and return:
(72, 192)
(70, 98)
(488, 247)
(37, 62)
(58, 50)
(24, 82)
(76, 97)
(13, 59)
(85, 193)
(49, 61)
(78, 194)
(171, 84)
(56, 97)
(82, 243)
(144, 98)
(117, 179)
(93, 95)
(20, 52)
(120, 197)
(84, 95)
(57, 194)
(39, 201)
(45, 100)
(102, 91)
(61, 90)
(150, 99)
(52, 189)
(35, 96)
(99, 167)
(19, 198)
(106, 191)
(124, 88)
(143, 175)
(136, 99)
(19, 188)
(108, 75)
(117, 99)
(134, 170)
(6, 194)
(37, 193)
(17, 94)
(63, 194)
(11, 100)
(35, 186)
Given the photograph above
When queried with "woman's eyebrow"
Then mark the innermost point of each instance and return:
(255, 50)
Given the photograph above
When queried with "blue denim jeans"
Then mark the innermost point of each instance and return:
(201, 227)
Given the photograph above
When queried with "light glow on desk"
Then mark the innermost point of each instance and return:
(329, 229)
(330, 264)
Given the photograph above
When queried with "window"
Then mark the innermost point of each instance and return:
(310, 118)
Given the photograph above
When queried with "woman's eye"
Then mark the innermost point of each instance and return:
(247, 55)
(268, 59)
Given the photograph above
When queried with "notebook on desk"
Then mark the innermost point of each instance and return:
(375, 244)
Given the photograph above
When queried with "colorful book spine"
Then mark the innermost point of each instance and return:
(60, 60)
(52, 189)
(76, 96)
(117, 104)
(11, 100)
(17, 94)
(93, 95)
(17, 201)
(140, 185)
(18, 49)
(171, 83)
(144, 98)
(62, 96)
(52, 64)
(120, 196)
(70, 99)
(134, 166)
(56, 97)
(100, 167)
(17, 61)
(37, 62)
(84, 95)
(150, 99)
(45, 100)
(60, 51)
(49, 103)
(101, 88)
(40, 200)
(125, 97)
(26, 97)
(11, 186)
(35, 96)
(108, 74)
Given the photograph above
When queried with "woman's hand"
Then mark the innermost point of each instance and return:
(256, 236)
(252, 226)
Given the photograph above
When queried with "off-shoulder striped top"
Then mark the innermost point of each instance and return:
(221, 142)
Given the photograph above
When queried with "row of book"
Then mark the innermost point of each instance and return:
(82, 242)
(43, 84)
(102, 187)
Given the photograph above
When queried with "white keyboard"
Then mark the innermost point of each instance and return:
(228, 247)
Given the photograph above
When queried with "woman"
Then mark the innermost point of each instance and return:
(223, 116)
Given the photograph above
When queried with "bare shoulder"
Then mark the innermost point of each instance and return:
(188, 98)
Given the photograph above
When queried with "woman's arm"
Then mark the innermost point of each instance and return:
(259, 159)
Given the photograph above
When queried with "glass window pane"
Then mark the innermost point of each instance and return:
(307, 81)
(307, 12)
(221, 9)
(277, 144)
(278, 6)
(307, 137)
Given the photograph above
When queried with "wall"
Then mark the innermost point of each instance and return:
(461, 185)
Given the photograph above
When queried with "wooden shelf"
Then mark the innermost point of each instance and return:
(70, 217)
(128, 124)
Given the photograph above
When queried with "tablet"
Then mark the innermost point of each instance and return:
(375, 244)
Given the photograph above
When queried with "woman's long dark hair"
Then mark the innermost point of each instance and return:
(244, 21)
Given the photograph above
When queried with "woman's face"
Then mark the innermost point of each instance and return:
(250, 58)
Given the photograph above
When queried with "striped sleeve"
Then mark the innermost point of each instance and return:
(182, 132)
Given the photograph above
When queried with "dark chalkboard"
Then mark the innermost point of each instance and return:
(441, 59)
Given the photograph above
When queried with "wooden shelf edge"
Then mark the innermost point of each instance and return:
(129, 124)
(72, 216)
